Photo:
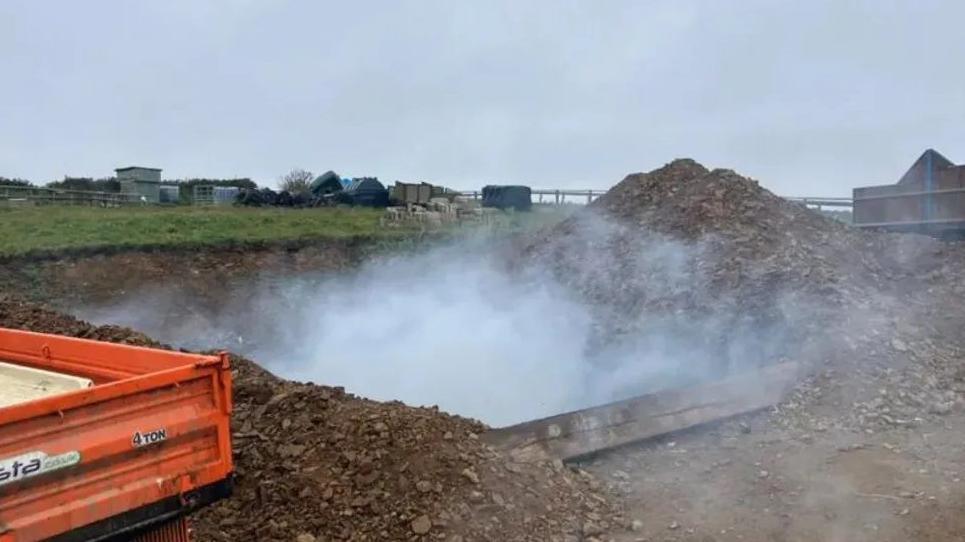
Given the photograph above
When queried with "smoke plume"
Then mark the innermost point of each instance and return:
(453, 327)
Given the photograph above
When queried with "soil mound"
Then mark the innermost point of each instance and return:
(16, 314)
(684, 199)
(317, 463)
(709, 258)
(735, 234)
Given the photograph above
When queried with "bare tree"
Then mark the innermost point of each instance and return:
(297, 181)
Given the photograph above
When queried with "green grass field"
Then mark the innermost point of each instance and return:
(43, 229)
(47, 229)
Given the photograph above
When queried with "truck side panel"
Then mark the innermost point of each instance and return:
(79, 458)
(102, 362)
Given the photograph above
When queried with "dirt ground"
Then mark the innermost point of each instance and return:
(748, 480)
(867, 448)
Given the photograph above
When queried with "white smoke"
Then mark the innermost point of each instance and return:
(452, 327)
(439, 328)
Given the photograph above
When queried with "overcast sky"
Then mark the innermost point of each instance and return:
(811, 98)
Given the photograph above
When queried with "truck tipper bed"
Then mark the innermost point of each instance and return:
(102, 441)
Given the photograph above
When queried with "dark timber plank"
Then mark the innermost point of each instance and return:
(583, 432)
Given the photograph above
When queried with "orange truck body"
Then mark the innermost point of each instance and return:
(126, 458)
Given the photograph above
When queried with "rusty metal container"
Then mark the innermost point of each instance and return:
(929, 198)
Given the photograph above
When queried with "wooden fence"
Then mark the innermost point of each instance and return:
(25, 196)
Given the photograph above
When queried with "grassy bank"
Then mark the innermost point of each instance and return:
(45, 229)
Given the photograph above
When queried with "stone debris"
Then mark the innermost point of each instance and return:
(421, 524)
(745, 278)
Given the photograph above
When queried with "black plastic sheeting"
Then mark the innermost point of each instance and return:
(366, 192)
(326, 183)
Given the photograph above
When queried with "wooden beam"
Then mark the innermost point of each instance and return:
(584, 432)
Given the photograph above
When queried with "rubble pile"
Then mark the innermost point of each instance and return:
(742, 274)
(716, 251)
(317, 463)
(900, 366)
(737, 237)
(684, 199)
(338, 467)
